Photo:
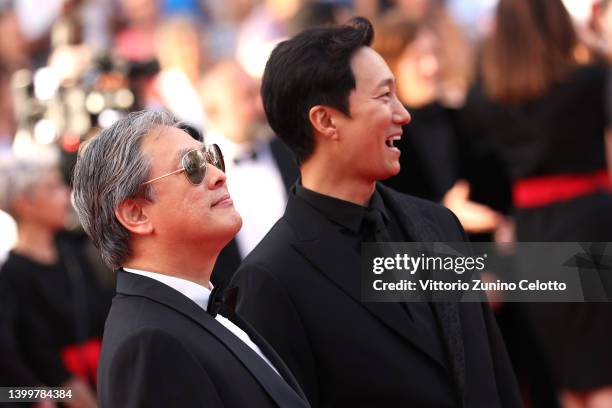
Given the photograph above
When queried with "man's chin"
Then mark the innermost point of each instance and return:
(230, 231)
(393, 170)
(235, 224)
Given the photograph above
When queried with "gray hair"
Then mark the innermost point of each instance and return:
(20, 174)
(110, 169)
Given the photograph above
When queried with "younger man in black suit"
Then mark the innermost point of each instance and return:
(333, 100)
(155, 203)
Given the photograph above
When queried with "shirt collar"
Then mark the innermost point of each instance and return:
(195, 292)
(344, 213)
(377, 203)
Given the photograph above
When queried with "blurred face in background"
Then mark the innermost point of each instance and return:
(140, 12)
(283, 9)
(46, 204)
(232, 102)
(13, 50)
(604, 26)
(7, 121)
(178, 47)
(418, 70)
(413, 9)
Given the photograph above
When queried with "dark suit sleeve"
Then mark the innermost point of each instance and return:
(153, 369)
(265, 304)
(450, 226)
(459, 226)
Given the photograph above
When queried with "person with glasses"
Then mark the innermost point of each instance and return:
(154, 201)
(334, 101)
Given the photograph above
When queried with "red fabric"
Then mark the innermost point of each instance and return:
(82, 359)
(545, 190)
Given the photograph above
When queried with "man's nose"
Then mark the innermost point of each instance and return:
(216, 178)
(401, 116)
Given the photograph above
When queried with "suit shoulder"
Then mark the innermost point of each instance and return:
(275, 262)
(138, 326)
(134, 315)
(126, 338)
(443, 220)
(149, 339)
(421, 204)
(275, 245)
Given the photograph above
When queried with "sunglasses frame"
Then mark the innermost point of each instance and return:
(206, 150)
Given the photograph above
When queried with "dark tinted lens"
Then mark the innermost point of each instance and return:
(195, 166)
(216, 157)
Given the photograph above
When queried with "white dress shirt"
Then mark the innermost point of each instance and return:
(199, 295)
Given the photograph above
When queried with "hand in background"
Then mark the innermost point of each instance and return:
(82, 395)
(474, 217)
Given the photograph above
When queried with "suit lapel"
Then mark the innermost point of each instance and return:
(327, 250)
(279, 391)
(414, 225)
(270, 353)
(448, 317)
(411, 218)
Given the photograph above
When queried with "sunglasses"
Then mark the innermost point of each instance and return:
(194, 164)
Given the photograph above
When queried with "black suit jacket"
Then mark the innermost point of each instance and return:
(300, 288)
(160, 349)
(229, 259)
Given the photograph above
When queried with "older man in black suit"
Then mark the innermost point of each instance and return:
(155, 202)
(333, 100)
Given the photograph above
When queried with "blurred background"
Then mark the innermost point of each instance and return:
(71, 67)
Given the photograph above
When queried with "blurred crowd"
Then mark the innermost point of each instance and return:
(508, 98)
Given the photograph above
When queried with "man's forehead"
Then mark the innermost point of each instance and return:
(168, 134)
(169, 142)
(370, 69)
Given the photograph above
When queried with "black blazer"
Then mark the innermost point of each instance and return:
(162, 350)
(229, 259)
(300, 288)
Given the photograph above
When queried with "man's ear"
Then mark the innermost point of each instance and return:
(20, 206)
(322, 120)
(132, 216)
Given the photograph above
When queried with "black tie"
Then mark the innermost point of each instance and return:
(376, 229)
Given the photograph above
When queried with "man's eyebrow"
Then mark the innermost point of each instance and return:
(385, 82)
(179, 155)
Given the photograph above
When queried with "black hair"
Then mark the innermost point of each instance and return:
(312, 68)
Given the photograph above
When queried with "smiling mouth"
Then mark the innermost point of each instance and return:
(390, 141)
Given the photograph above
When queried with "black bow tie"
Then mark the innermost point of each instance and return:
(222, 302)
(243, 158)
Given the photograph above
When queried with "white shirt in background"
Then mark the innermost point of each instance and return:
(256, 187)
